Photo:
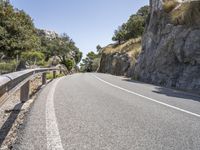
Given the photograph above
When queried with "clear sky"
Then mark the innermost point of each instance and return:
(87, 22)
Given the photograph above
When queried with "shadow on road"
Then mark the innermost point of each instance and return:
(176, 93)
(133, 81)
(170, 92)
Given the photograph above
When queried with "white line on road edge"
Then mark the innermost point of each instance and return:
(52, 132)
(151, 99)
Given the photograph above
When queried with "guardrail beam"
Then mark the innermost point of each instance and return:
(10, 83)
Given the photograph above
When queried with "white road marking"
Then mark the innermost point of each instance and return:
(53, 136)
(151, 99)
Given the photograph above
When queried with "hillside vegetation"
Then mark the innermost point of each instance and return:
(119, 57)
(91, 62)
(22, 45)
(130, 47)
(133, 28)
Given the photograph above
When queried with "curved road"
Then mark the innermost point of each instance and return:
(105, 112)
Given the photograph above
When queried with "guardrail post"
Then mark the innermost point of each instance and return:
(54, 74)
(44, 79)
(24, 92)
(60, 69)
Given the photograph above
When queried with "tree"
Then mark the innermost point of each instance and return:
(61, 46)
(143, 11)
(32, 57)
(133, 28)
(119, 35)
(17, 32)
(99, 48)
(5, 2)
(69, 64)
(78, 56)
(87, 63)
(20, 39)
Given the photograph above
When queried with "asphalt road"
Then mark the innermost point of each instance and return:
(104, 112)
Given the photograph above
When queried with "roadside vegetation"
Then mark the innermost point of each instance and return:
(7, 66)
(127, 38)
(24, 46)
(133, 28)
(49, 76)
(131, 47)
(91, 62)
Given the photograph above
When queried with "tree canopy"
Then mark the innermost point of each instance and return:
(89, 64)
(20, 39)
(17, 32)
(133, 28)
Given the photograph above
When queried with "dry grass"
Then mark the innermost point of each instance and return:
(169, 5)
(127, 47)
(186, 14)
(131, 47)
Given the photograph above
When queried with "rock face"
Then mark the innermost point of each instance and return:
(170, 53)
(116, 63)
(120, 59)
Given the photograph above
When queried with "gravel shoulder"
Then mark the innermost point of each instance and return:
(13, 113)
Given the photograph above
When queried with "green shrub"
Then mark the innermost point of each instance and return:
(6, 67)
(49, 76)
(43, 63)
(32, 57)
(69, 63)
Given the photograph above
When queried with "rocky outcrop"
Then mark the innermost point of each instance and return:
(170, 53)
(120, 59)
(115, 63)
(47, 34)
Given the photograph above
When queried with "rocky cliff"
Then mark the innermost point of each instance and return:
(171, 47)
(120, 59)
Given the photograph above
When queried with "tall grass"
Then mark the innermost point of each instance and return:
(187, 14)
(169, 5)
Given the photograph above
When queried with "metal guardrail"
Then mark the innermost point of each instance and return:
(10, 83)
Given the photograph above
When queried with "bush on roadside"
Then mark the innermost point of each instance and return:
(6, 67)
(49, 76)
(33, 57)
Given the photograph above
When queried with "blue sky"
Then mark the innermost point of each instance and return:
(87, 22)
